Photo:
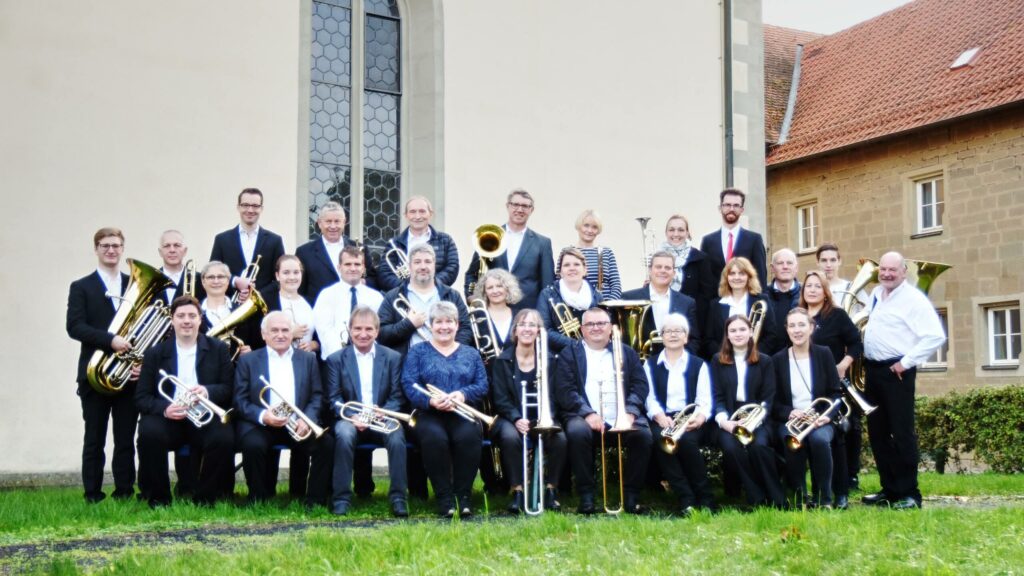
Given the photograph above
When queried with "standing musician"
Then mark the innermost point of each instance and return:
(603, 271)
(567, 298)
(740, 376)
(216, 308)
(92, 304)
(203, 366)
(320, 256)
(784, 294)
(516, 364)
(336, 302)
(693, 275)
(665, 301)
(450, 443)
(830, 262)
(419, 213)
(583, 369)
(371, 375)
(402, 330)
(732, 240)
(295, 376)
(903, 331)
(679, 378)
(173, 251)
(239, 246)
(834, 330)
(499, 290)
(284, 295)
(804, 373)
(528, 254)
(740, 291)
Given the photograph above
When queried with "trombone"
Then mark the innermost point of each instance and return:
(533, 502)
(250, 273)
(486, 343)
(748, 417)
(462, 409)
(199, 409)
(568, 323)
(799, 427)
(285, 409)
(404, 308)
(397, 261)
(374, 417)
(670, 436)
(619, 426)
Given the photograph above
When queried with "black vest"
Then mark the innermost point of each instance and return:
(659, 377)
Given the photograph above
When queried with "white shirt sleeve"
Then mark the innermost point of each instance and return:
(653, 407)
(704, 392)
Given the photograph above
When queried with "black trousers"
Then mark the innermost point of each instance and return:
(685, 470)
(582, 442)
(212, 445)
(755, 466)
(256, 450)
(450, 448)
(817, 447)
(346, 438)
(511, 442)
(97, 410)
(891, 428)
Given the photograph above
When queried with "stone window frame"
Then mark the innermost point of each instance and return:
(982, 343)
(945, 311)
(798, 215)
(912, 195)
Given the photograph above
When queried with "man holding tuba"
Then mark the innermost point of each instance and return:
(419, 213)
(202, 366)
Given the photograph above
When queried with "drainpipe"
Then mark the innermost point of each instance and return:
(727, 87)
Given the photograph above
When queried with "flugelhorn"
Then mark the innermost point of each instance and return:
(374, 417)
(397, 261)
(568, 324)
(198, 408)
(404, 308)
(748, 417)
(670, 436)
(489, 243)
(485, 339)
(285, 409)
(799, 427)
(250, 273)
(462, 409)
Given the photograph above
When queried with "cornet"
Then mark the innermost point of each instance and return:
(397, 261)
(250, 273)
(285, 409)
(486, 342)
(405, 309)
(749, 418)
(199, 409)
(805, 423)
(375, 418)
(568, 324)
(670, 436)
(462, 409)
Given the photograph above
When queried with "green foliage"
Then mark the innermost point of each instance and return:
(988, 422)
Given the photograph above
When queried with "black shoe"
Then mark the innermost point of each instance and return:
(842, 502)
(123, 495)
(95, 498)
(632, 506)
(465, 512)
(907, 503)
(399, 509)
(447, 513)
(687, 511)
(586, 505)
(854, 483)
(340, 508)
(154, 504)
(876, 499)
(551, 500)
(515, 504)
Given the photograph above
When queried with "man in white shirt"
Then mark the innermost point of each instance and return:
(419, 213)
(336, 302)
(665, 301)
(903, 330)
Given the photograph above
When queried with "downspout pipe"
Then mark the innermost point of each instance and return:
(727, 89)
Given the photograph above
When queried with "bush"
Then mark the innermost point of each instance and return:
(988, 422)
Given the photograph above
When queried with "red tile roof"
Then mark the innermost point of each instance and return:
(892, 74)
(779, 54)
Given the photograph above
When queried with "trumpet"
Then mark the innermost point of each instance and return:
(539, 400)
(489, 243)
(749, 418)
(670, 436)
(462, 409)
(285, 409)
(619, 426)
(397, 261)
(486, 343)
(250, 273)
(756, 318)
(374, 417)
(188, 279)
(199, 409)
(405, 309)
(568, 324)
(805, 423)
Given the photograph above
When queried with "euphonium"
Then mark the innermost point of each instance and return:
(748, 417)
(462, 409)
(188, 279)
(648, 244)
(225, 330)
(631, 316)
(799, 427)
(139, 320)
(285, 409)
(199, 409)
(489, 243)
(250, 273)
(670, 436)
(619, 425)
(397, 261)
(404, 308)
(374, 417)
(756, 318)
(486, 343)
(568, 324)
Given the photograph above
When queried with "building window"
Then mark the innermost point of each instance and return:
(807, 226)
(930, 204)
(1004, 336)
(938, 359)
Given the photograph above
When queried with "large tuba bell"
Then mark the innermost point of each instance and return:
(139, 320)
(630, 316)
(225, 330)
(483, 331)
(489, 243)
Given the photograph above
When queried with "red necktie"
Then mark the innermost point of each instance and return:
(728, 251)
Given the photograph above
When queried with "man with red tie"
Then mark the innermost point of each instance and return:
(732, 239)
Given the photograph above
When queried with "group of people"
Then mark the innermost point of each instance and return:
(720, 343)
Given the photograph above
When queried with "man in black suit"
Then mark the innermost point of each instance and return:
(665, 301)
(173, 251)
(732, 239)
(529, 253)
(295, 376)
(371, 375)
(203, 366)
(320, 256)
(583, 369)
(92, 302)
(239, 246)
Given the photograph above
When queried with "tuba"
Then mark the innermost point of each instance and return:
(748, 417)
(568, 323)
(486, 342)
(756, 318)
(285, 409)
(404, 308)
(670, 436)
(630, 316)
(250, 273)
(648, 244)
(198, 409)
(799, 427)
(374, 417)
(462, 409)
(616, 397)
(140, 320)
(489, 243)
(397, 261)
(545, 424)
(225, 330)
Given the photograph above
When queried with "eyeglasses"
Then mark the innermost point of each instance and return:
(520, 205)
(215, 277)
(673, 332)
(105, 247)
(732, 206)
(528, 325)
(250, 206)
(595, 325)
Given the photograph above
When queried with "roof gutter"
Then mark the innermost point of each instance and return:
(727, 89)
(787, 120)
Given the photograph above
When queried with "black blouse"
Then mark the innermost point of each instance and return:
(838, 333)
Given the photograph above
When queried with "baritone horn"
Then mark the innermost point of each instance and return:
(225, 329)
(489, 243)
(397, 261)
(374, 417)
(799, 427)
(199, 409)
(485, 338)
(670, 436)
(748, 417)
(285, 409)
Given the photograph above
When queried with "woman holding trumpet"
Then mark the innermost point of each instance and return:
(562, 304)
(517, 364)
(441, 378)
(807, 386)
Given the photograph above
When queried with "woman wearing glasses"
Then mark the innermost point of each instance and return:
(216, 308)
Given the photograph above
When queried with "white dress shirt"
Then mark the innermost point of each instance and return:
(218, 314)
(740, 361)
(513, 242)
(736, 307)
(301, 313)
(248, 240)
(281, 377)
(412, 241)
(600, 374)
(176, 277)
(659, 305)
(331, 313)
(675, 388)
(724, 232)
(902, 325)
(333, 249)
(186, 368)
(113, 286)
(365, 364)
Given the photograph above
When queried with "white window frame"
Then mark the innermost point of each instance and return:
(803, 211)
(992, 337)
(922, 209)
(939, 360)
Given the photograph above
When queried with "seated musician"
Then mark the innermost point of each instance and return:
(665, 301)
(679, 378)
(370, 374)
(295, 378)
(203, 366)
(336, 302)
(516, 364)
(741, 376)
(450, 442)
(805, 372)
(569, 292)
(739, 289)
(584, 369)
(216, 308)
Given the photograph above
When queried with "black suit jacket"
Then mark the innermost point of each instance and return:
(395, 331)
(678, 303)
(699, 283)
(824, 380)
(571, 380)
(179, 290)
(760, 384)
(213, 369)
(534, 268)
(227, 248)
(89, 315)
(308, 392)
(748, 244)
(318, 272)
(718, 313)
(344, 384)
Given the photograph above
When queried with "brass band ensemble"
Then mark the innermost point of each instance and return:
(541, 372)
